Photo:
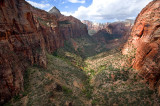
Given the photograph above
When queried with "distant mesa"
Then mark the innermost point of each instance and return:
(94, 27)
(55, 11)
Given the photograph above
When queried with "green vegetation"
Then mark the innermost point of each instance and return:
(88, 90)
(43, 22)
(81, 73)
(66, 90)
(64, 22)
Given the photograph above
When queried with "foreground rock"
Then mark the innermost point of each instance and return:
(145, 41)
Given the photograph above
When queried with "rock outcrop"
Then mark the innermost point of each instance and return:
(26, 34)
(145, 42)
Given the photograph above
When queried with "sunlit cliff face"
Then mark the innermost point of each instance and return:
(145, 39)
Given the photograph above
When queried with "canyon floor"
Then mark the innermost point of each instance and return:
(82, 74)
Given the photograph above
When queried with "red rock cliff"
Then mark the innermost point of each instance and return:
(25, 34)
(145, 41)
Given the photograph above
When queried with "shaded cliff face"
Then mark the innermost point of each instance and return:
(71, 27)
(26, 34)
(145, 41)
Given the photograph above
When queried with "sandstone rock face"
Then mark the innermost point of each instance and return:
(26, 34)
(145, 41)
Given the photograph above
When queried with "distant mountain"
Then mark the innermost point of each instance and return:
(114, 34)
(94, 27)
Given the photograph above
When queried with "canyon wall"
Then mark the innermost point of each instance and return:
(26, 34)
(144, 42)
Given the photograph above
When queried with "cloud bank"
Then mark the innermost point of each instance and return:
(43, 5)
(110, 10)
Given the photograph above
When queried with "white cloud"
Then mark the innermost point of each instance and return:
(67, 13)
(110, 9)
(77, 1)
(41, 5)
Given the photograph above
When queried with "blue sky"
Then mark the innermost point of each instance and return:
(95, 10)
(62, 5)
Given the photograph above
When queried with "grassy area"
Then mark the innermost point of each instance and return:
(114, 84)
(109, 82)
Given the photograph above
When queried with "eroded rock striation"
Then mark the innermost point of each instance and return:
(145, 42)
(26, 34)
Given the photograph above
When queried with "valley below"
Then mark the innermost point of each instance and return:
(49, 59)
(79, 76)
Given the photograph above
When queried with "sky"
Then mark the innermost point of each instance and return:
(95, 10)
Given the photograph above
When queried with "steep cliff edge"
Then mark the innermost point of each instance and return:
(145, 42)
(26, 33)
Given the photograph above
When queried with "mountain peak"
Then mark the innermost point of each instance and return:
(55, 11)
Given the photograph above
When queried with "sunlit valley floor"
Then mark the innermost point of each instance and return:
(81, 73)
